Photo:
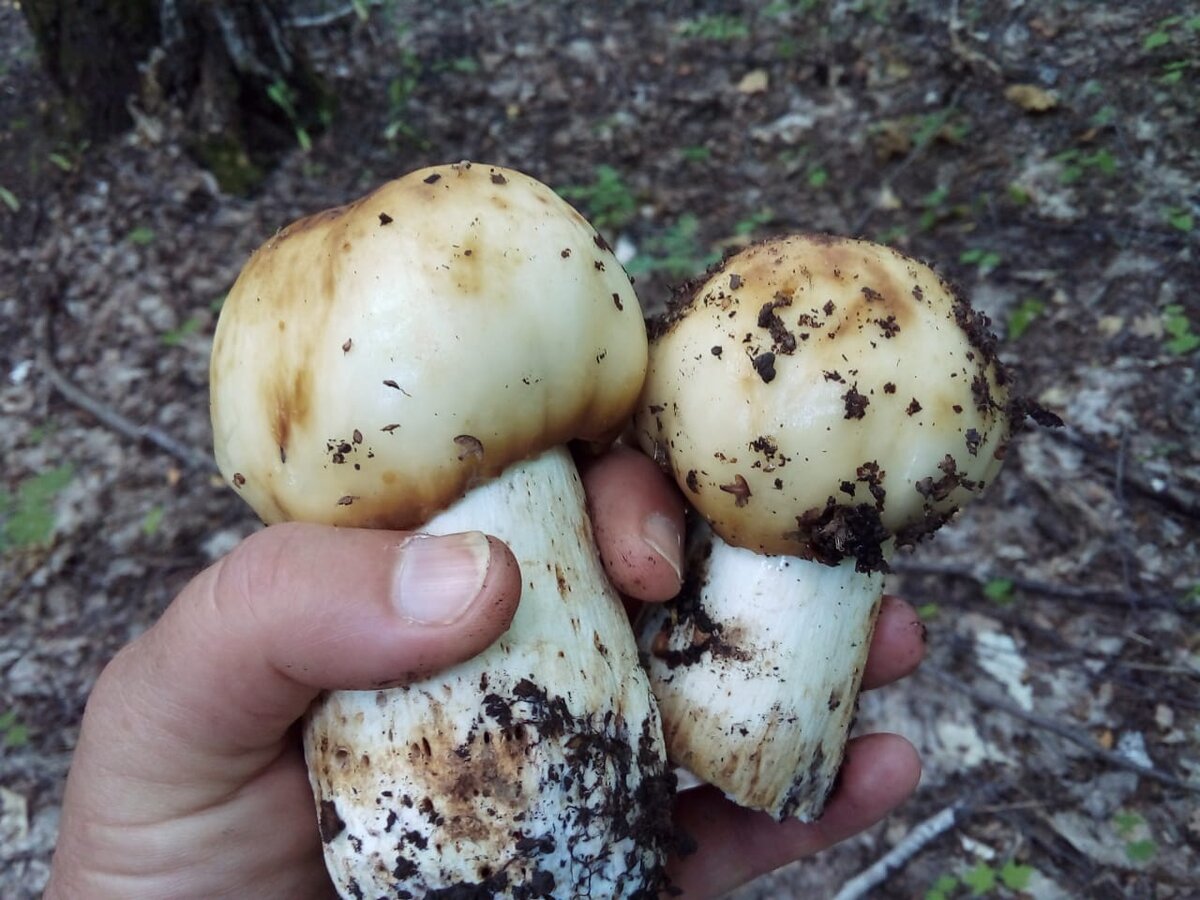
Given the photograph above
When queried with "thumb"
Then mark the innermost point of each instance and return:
(208, 694)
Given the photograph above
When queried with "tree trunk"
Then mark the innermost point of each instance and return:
(245, 93)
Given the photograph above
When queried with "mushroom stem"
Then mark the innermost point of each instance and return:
(756, 667)
(536, 768)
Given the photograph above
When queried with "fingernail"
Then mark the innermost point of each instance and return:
(437, 578)
(661, 535)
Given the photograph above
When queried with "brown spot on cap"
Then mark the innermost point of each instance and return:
(739, 489)
(497, 178)
(385, 219)
(347, 344)
(238, 479)
(432, 179)
(470, 447)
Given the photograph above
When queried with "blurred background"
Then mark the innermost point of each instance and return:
(1044, 156)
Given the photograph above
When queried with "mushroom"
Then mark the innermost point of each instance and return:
(820, 401)
(417, 359)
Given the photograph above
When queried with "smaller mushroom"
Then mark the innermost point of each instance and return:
(819, 401)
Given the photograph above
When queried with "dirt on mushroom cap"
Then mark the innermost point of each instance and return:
(860, 399)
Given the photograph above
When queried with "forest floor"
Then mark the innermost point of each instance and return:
(1044, 156)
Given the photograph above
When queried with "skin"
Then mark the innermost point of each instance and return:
(188, 779)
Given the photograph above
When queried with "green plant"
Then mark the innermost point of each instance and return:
(984, 260)
(140, 236)
(1173, 72)
(981, 879)
(1165, 31)
(675, 252)
(933, 207)
(695, 154)
(714, 27)
(1022, 316)
(818, 177)
(176, 336)
(1176, 323)
(27, 516)
(399, 92)
(1076, 164)
(927, 611)
(1179, 219)
(9, 199)
(1131, 828)
(753, 222)
(999, 590)
(607, 200)
(15, 733)
(152, 520)
(282, 95)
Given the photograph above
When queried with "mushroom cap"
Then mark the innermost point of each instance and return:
(374, 361)
(820, 396)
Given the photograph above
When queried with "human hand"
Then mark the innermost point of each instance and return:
(188, 779)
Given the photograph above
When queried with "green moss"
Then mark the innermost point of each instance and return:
(229, 163)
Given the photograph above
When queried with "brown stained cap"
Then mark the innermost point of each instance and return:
(461, 318)
(864, 399)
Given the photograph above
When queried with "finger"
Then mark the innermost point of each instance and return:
(897, 646)
(637, 517)
(735, 845)
(211, 690)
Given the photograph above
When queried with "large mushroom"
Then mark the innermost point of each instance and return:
(417, 359)
(820, 401)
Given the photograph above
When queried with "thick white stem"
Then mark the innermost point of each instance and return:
(756, 667)
(536, 769)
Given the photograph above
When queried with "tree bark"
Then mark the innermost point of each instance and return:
(246, 93)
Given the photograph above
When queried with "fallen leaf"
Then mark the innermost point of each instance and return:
(1030, 97)
(888, 200)
(1042, 28)
(892, 139)
(755, 81)
(1110, 326)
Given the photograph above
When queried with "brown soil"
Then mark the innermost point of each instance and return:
(1043, 156)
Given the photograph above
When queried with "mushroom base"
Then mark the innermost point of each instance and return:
(536, 769)
(756, 667)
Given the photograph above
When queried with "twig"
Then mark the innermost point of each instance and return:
(104, 413)
(921, 836)
(1055, 727)
(320, 20)
(1106, 596)
(1176, 502)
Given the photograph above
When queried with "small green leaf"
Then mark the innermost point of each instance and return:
(140, 236)
(1179, 219)
(61, 161)
(999, 590)
(1141, 851)
(10, 199)
(942, 888)
(1015, 876)
(1023, 316)
(152, 520)
(1176, 323)
(1126, 822)
(1156, 39)
(176, 336)
(27, 518)
(818, 178)
(980, 879)
(927, 611)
